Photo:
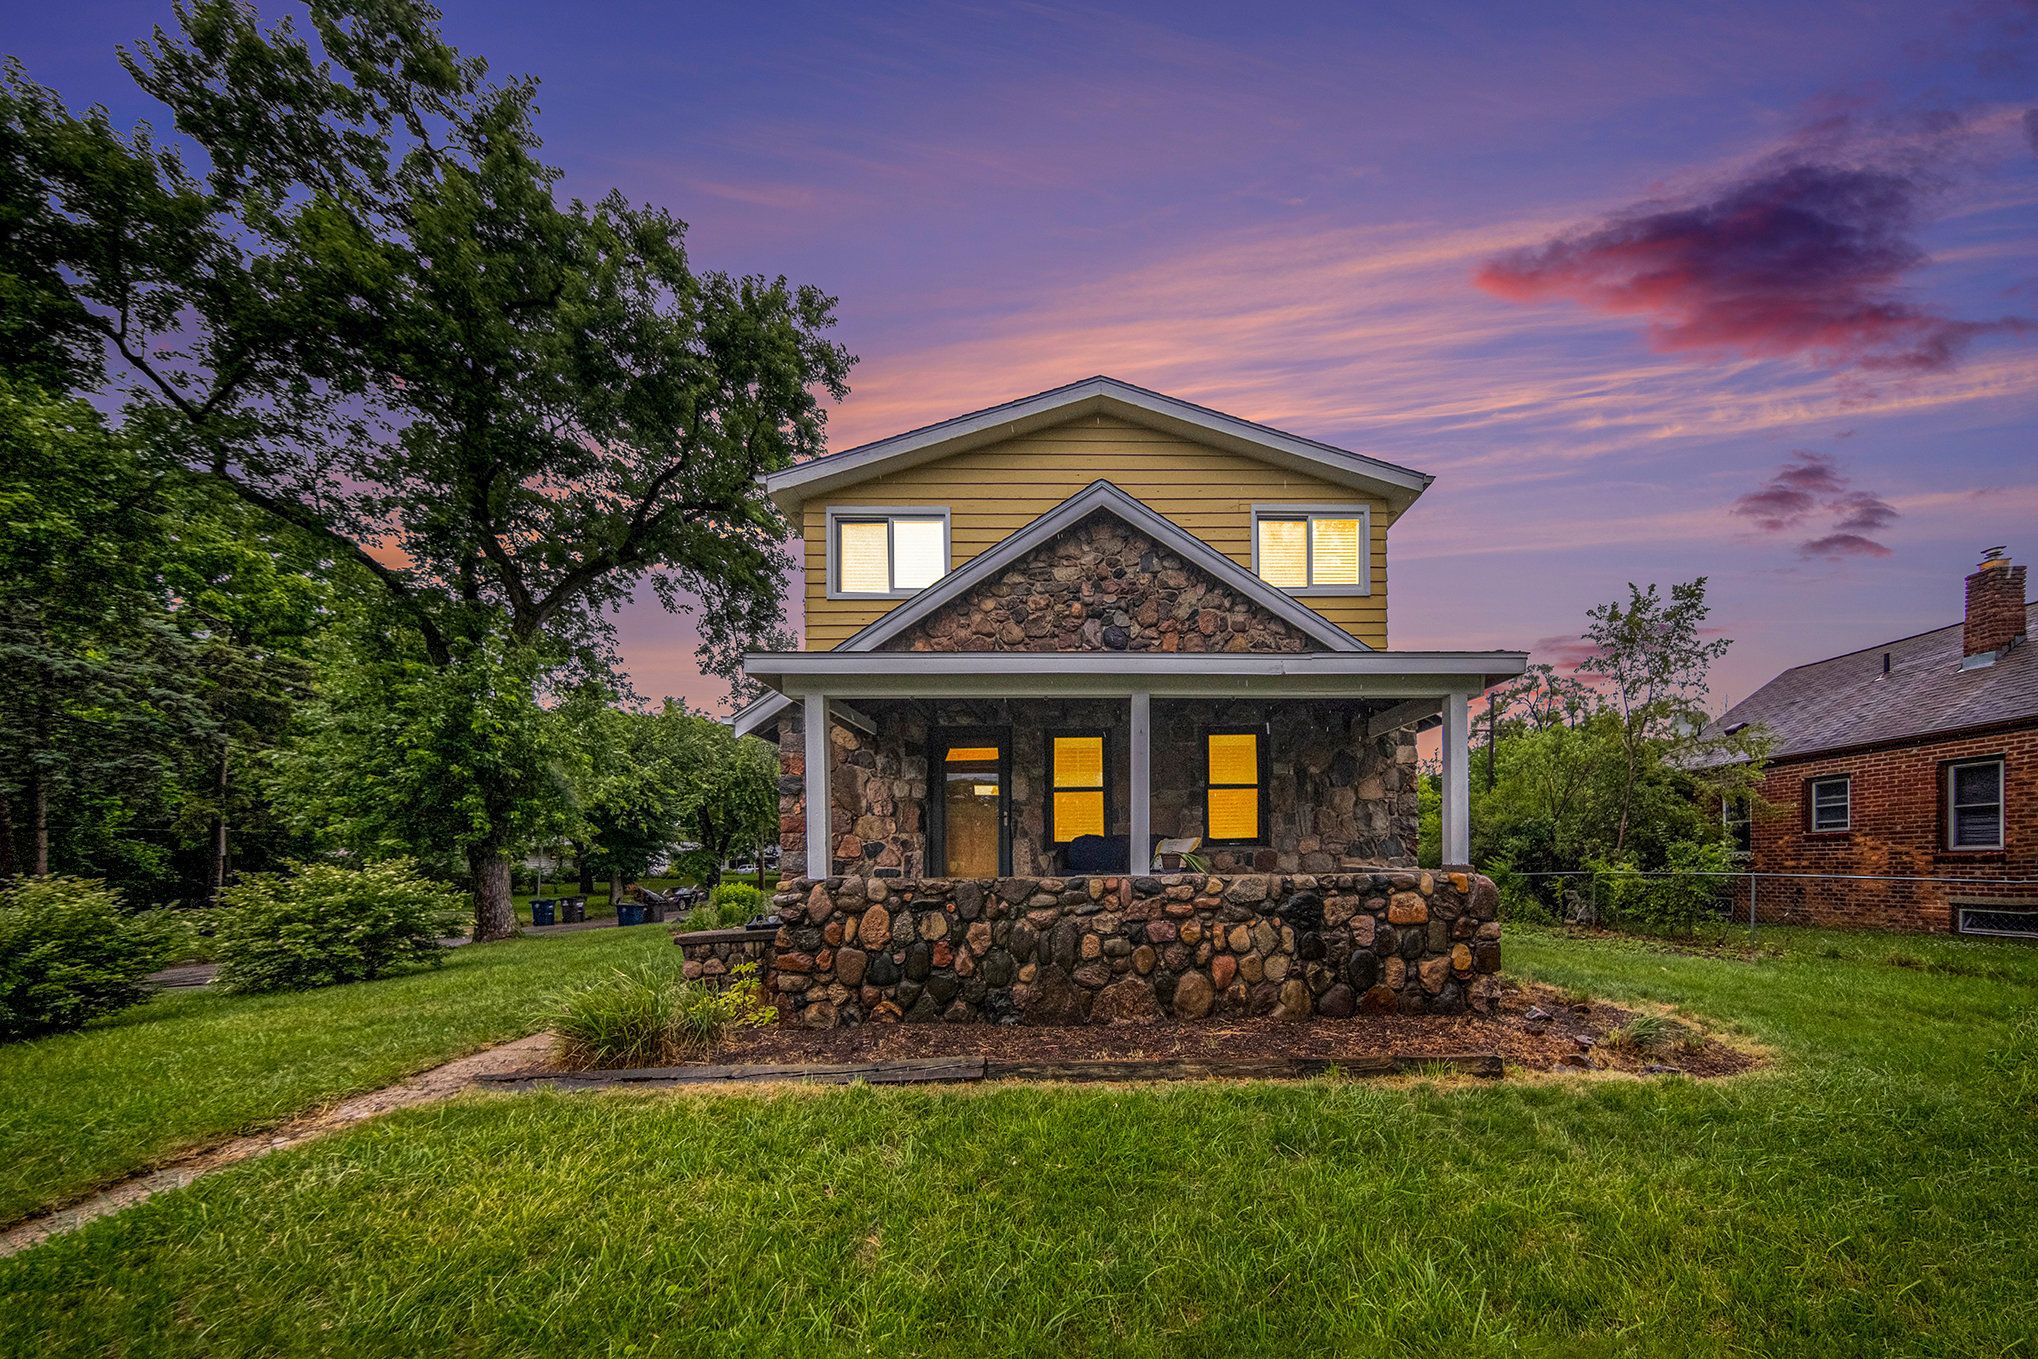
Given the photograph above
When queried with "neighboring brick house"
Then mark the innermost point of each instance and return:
(1052, 645)
(1916, 758)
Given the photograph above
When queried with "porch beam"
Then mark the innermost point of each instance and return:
(1457, 788)
(1409, 714)
(853, 718)
(820, 854)
(1141, 838)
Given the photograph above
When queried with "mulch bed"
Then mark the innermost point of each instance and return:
(1537, 1029)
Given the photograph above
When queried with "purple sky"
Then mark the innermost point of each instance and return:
(1742, 290)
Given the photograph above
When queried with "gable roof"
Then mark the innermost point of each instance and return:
(1102, 495)
(1846, 701)
(1399, 486)
(987, 565)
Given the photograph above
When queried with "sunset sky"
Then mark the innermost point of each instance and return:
(1741, 290)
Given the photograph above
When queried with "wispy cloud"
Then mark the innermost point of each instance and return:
(1810, 484)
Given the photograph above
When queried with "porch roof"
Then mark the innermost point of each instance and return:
(1116, 674)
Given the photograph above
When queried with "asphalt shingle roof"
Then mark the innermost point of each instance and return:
(1847, 701)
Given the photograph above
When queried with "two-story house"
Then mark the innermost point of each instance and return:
(1047, 638)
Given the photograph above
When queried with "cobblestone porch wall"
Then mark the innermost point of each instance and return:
(711, 955)
(1125, 949)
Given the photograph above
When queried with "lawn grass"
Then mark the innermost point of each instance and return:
(189, 1067)
(1872, 1192)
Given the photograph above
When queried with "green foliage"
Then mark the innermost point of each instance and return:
(351, 294)
(651, 1016)
(1686, 897)
(1645, 1032)
(324, 924)
(69, 953)
(738, 902)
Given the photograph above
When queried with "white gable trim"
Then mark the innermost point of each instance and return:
(1101, 495)
(1098, 395)
(759, 714)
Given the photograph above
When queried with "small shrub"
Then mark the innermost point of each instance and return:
(1692, 892)
(1644, 1032)
(649, 1016)
(325, 924)
(69, 953)
(736, 903)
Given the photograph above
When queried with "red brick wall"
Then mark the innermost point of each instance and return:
(1897, 813)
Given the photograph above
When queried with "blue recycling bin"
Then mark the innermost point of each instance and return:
(542, 911)
(632, 913)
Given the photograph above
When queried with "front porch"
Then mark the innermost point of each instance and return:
(958, 765)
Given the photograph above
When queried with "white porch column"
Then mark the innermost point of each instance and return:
(1141, 790)
(820, 852)
(1457, 789)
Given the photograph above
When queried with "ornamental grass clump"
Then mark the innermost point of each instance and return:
(322, 924)
(70, 952)
(652, 1016)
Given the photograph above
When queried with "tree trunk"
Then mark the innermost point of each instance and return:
(215, 876)
(39, 824)
(586, 868)
(7, 864)
(616, 895)
(495, 915)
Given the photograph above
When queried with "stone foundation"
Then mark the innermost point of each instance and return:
(711, 955)
(1117, 949)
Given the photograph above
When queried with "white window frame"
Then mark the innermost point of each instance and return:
(888, 513)
(1811, 797)
(1948, 808)
(1360, 511)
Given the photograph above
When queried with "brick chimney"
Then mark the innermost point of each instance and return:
(1995, 609)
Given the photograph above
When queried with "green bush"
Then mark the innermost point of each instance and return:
(737, 903)
(1691, 892)
(69, 953)
(324, 924)
(649, 1016)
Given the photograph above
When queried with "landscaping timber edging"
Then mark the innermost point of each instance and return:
(923, 1070)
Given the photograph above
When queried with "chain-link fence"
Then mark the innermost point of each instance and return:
(1680, 899)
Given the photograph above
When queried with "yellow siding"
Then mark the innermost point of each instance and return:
(995, 491)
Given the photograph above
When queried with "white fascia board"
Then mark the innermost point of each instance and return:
(1398, 485)
(759, 714)
(1102, 495)
(1090, 674)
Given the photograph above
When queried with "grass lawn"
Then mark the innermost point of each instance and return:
(1874, 1192)
(190, 1067)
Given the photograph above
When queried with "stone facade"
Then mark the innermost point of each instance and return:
(1102, 585)
(1336, 797)
(711, 955)
(1127, 949)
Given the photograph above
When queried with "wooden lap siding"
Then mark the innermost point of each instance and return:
(993, 492)
(1898, 807)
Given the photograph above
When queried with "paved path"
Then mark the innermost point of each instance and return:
(427, 1087)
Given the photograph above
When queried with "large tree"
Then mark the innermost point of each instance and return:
(351, 295)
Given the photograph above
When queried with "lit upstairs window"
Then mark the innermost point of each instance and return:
(1313, 549)
(885, 553)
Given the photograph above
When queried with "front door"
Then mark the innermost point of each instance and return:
(972, 790)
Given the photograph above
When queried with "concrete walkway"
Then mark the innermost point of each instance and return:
(427, 1087)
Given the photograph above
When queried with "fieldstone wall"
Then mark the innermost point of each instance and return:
(1103, 586)
(1337, 799)
(711, 955)
(1128, 949)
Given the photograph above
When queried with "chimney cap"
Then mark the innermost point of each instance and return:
(1994, 556)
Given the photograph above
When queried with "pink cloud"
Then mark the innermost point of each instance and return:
(1794, 260)
(1812, 482)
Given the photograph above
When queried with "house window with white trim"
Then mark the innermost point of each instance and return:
(885, 554)
(1974, 804)
(1831, 803)
(1313, 549)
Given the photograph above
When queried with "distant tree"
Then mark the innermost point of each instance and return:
(731, 797)
(1654, 656)
(367, 313)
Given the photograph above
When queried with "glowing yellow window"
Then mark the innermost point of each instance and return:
(1076, 776)
(1284, 552)
(1299, 548)
(1232, 783)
